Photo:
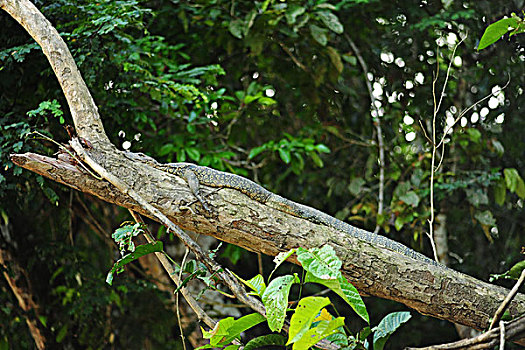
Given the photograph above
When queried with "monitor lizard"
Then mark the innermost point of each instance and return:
(196, 175)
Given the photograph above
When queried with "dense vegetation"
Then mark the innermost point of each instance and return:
(275, 91)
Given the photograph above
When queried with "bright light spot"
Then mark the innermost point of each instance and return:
(474, 117)
(387, 57)
(255, 75)
(137, 137)
(108, 85)
(464, 122)
(458, 61)
(214, 105)
(270, 92)
(449, 119)
(126, 145)
(409, 84)
(408, 120)
(474, 89)
(400, 96)
(411, 136)
(496, 90)
(453, 109)
(370, 76)
(377, 90)
(452, 39)
(419, 78)
(484, 112)
(377, 104)
(500, 118)
(493, 102)
(392, 98)
(122, 134)
(399, 62)
(440, 41)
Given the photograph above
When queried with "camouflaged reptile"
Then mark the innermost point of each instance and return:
(196, 175)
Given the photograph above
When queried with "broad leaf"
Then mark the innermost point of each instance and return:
(140, 251)
(293, 12)
(345, 290)
(331, 21)
(275, 299)
(279, 259)
(321, 331)
(495, 31)
(305, 313)
(319, 34)
(320, 262)
(265, 341)
(387, 326)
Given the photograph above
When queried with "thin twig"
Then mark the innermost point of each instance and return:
(377, 124)
(168, 267)
(506, 302)
(177, 298)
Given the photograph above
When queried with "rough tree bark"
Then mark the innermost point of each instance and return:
(431, 290)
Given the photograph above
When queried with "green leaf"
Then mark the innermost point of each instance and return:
(256, 151)
(193, 153)
(474, 135)
(387, 326)
(356, 186)
(265, 341)
(275, 299)
(61, 333)
(514, 182)
(320, 262)
(140, 251)
(319, 34)
(331, 21)
(513, 273)
(279, 259)
(293, 12)
(242, 324)
(317, 160)
(495, 31)
(321, 331)
(485, 218)
(285, 155)
(500, 192)
(335, 58)
(410, 198)
(305, 313)
(256, 284)
(345, 290)
(236, 28)
(322, 148)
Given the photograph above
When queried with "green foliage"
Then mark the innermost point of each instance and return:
(495, 31)
(388, 325)
(513, 273)
(141, 250)
(310, 321)
(229, 329)
(275, 299)
(45, 107)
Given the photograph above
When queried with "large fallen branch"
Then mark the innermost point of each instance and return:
(236, 219)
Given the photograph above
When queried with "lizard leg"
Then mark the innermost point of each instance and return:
(193, 183)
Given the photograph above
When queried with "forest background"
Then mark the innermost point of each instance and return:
(326, 103)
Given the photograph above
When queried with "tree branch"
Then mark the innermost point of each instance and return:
(237, 219)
